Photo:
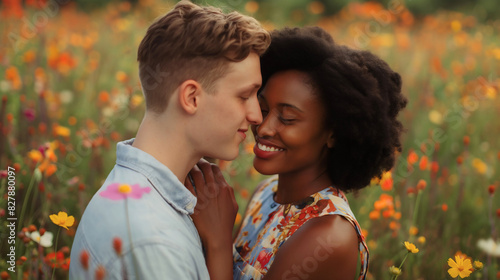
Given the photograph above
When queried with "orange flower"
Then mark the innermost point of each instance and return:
(388, 213)
(72, 120)
(10, 117)
(59, 130)
(423, 163)
(121, 76)
(12, 9)
(444, 207)
(103, 97)
(466, 140)
(386, 185)
(413, 230)
(115, 136)
(386, 181)
(374, 215)
(47, 159)
(29, 56)
(244, 193)
(35, 155)
(12, 75)
(42, 127)
(421, 184)
(491, 189)
(249, 148)
(434, 167)
(412, 158)
(50, 170)
(394, 225)
(316, 8)
(65, 63)
(40, 74)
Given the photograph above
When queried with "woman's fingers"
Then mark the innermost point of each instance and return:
(211, 188)
(189, 185)
(219, 178)
(221, 181)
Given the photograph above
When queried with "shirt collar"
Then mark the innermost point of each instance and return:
(162, 179)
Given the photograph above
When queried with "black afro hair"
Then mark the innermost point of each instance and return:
(361, 94)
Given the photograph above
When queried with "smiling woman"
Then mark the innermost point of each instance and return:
(292, 136)
(329, 126)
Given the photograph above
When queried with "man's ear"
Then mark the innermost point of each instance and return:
(189, 96)
(330, 142)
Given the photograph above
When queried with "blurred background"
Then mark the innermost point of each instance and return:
(69, 91)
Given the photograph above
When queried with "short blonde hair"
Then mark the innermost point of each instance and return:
(193, 42)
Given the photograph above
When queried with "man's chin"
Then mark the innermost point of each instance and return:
(227, 155)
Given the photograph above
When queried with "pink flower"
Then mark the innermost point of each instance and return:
(29, 114)
(118, 191)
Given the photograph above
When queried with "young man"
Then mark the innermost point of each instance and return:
(200, 72)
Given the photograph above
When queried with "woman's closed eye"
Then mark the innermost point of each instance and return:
(286, 120)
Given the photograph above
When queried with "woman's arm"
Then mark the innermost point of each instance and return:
(323, 248)
(214, 217)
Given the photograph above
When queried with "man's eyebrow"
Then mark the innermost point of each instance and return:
(251, 87)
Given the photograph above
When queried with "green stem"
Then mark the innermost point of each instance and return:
(28, 192)
(136, 266)
(401, 265)
(415, 210)
(55, 254)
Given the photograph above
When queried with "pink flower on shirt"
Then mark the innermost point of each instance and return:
(118, 191)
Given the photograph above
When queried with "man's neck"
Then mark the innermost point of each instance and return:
(166, 143)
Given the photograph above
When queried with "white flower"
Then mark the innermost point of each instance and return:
(45, 240)
(66, 96)
(4, 86)
(489, 246)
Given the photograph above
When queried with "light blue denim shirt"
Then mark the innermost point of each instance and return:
(165, 243)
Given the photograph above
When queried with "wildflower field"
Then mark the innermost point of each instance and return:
(69, 92)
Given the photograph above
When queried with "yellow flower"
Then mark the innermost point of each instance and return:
(456, 25)
(478, 265)
(413, 230)
(394, 270)
(480, 166)
(411, 247)
(62, 219)
(421, 240)
(460, 267)
(62, 131)
(35, 155)
(136, 100)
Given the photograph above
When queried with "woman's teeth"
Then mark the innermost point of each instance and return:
(268, 149)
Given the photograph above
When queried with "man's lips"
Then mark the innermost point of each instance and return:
(242, 133)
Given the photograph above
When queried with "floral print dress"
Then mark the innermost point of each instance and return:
(267, 225)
